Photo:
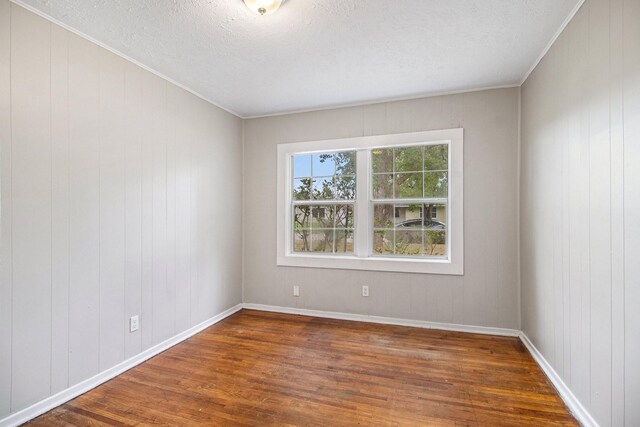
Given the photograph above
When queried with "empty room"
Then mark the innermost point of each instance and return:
(320, 213)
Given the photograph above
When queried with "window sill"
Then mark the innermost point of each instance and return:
(398, 265)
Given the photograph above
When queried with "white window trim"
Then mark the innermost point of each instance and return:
(453, 264)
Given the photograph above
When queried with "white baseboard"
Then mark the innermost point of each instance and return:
(582, 415)
(58, 399)
(386, 320)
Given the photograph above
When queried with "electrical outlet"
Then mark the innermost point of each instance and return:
(134, 323)
(365, 290)
(296, 291)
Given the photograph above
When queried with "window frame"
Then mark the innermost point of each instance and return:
(363, 259)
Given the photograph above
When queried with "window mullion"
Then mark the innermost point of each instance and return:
(362, 208)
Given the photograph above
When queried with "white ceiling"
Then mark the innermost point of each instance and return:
(318, 53)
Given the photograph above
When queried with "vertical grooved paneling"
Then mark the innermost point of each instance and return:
(31, 205)
(631, 118)
(506, 216)
(146, 122)
(133, 205)
(492, 162)
(183, 208)
(575, 116)
(617, 212)
(112, 209)
(172, 129)
(84, 209)
(582, 226)
(600, 211)
(586, 89)
(60, 209)
(162, 309)
(563, 140)
(476, 150)
(5, 208)
(95, 195)
(194, 232)
(553, 217)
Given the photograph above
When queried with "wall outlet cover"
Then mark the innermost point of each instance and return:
(134, 323)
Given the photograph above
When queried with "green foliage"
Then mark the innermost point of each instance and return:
(345, 163)
(436, 157)
(390, 167)
(436, 184)
(302, 189)
(408, 159)
(408, 185)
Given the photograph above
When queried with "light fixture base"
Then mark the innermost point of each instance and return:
(263, 7)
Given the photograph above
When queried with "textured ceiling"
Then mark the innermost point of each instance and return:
(318, 53)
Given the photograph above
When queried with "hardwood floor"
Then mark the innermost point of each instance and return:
(257, 368)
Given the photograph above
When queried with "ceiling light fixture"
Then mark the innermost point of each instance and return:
(263, 7)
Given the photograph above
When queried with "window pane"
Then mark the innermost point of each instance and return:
(418, 172)
(436, 184)
(302, 240)
(408, 159)
(435, 230)
(436, 157)
(323, 189)
(323, 165)
(383, 216)
(414, 229)
(411, 216)
(345, 187)
(322, 240)
(302, 217)
(302, 166)
(344, 216)
(408, 185)
(383, 242)
(322, 216)
(345, 163)
(408, 242)
(408, 216)
(383, 186)
(302, 189)
(435, 243)
(382, 160)
(344, 241)
(435, 216)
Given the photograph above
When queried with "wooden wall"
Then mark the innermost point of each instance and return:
(487, 294)
(581, 209)
(120, 195)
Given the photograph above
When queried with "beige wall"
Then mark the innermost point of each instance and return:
(488, 292)
(120, 196)
(581, 209)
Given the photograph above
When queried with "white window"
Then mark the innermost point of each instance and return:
(385, 203)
